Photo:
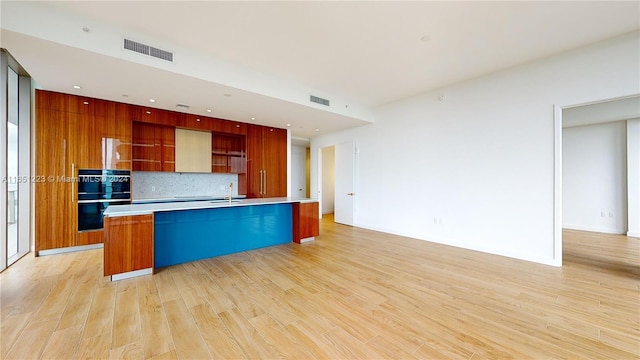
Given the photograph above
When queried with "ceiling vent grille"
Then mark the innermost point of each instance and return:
(148, 50)
(319, 100)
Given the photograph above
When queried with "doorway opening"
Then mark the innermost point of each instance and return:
(597, 170)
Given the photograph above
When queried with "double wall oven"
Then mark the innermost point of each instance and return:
(97, 189)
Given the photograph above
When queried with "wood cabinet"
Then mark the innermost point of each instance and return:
(56, 220)
(193, 151)
(306, 221)
(72, 133)
(128, 243)
(228, 153)
(266, 162)
(153, 147)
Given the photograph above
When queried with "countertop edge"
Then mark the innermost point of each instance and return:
(150, 208)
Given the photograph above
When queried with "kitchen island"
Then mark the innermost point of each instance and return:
(142, 237)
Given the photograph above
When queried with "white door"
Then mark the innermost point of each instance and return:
(298, 172)
(344, 183)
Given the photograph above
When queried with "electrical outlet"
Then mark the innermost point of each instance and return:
(153, 188)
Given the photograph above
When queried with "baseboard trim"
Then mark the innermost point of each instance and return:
(130, 274)
(633, 234)
(69, 249)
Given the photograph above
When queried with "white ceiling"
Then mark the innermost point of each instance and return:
(359, 54)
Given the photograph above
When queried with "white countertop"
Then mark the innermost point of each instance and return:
(183, 199)
(150, 208)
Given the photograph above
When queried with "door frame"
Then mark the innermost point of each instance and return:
(557, 170)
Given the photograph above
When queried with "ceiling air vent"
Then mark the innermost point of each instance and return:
(319, 100)
(182, 107)
(148, 50)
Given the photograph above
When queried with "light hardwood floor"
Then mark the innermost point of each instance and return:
(352, 293)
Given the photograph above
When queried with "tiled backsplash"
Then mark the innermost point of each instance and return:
(156, 185)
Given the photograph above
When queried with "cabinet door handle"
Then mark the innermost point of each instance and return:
(260, 182)
(265, 182)
(73, 180)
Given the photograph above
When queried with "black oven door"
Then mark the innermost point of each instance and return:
(91, 213)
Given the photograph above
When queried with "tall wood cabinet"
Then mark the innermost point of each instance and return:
(266, 162)
(72, 133)
(56, 220)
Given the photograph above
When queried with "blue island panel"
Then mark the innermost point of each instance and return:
(189, 235)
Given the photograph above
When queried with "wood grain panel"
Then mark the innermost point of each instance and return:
(90, 237)
(55, 214)
(309, 220)
(49, 100)
(128, 243)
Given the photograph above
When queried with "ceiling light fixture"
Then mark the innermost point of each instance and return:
(208, 110)
(252, 118)
(288, 125)
(152, 100)
(77, 87)
(317, 129)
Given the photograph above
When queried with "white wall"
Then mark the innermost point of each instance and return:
(483, 158)
(328, 179)
(633, 177)
(594, 177)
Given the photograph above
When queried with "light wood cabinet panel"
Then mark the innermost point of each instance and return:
(128, 243)
(266, 162)
(193, 151)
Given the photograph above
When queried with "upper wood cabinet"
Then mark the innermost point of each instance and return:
(266, 162)
(153, 147)
(193, 149)
(228, 153)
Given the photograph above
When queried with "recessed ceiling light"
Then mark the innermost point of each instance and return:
(252, 118)
(208, 110)
(77, 87)
(288, 125)
(152, 100)
(317, 130)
